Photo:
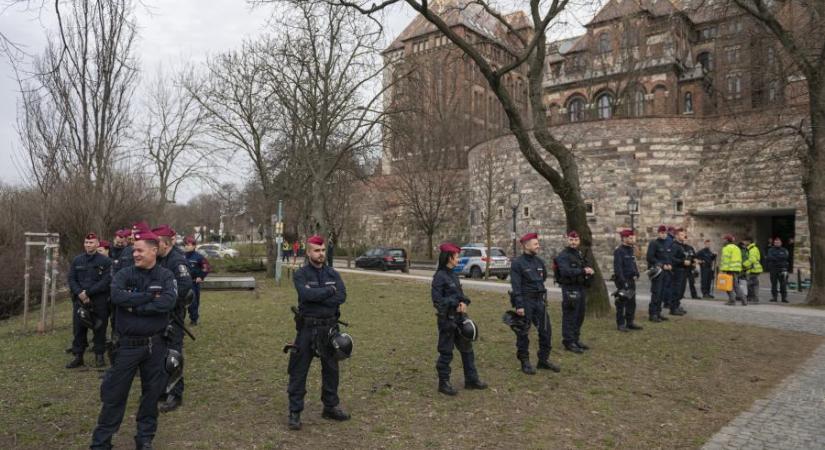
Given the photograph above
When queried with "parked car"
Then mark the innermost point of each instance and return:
(472, 261)
(383, 259)
(217, 251)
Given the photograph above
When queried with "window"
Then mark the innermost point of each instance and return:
(575, 109)
(734, 86)
(709, 33)
(631, 38)
(604, 103)
(589, 208)
(500, 213)
(732, 55)
(773, 91)
(497, 252)
(525, 212)
(604, 42)
(705, 59)
(679, 207)
(470, 252)
(636, 105)
(771, 57)
(688, 103)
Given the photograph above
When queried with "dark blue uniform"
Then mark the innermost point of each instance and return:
(659, 254)
(142, 299)
(90, 273)
(678, 257)
(527, 276)
(690, 255)
(320, 295)
(199, 268)
(446, 295)
(124, 259)
(573, 280)
(625, 273)
(175, 262)
(706, 270)
(778, 263)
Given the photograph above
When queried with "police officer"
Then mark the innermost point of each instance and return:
(89, 279)
(681, 264)
(778, 262)
(143, 295)
(173, 259)
(705, 258)
(118, 246)
(625, 273)
(574, 276)
(690, 255)
(529, 298)
(199, 268)
(125, 256)
(451, 304)
(320, 295)
(659, 260)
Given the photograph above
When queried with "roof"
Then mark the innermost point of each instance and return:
(616, 9)
(556, 50)
(465, 13)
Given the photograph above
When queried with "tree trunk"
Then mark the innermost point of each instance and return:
(430, 246)
(814, 187)
(598, 300)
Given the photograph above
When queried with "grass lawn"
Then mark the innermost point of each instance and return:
(670, 386)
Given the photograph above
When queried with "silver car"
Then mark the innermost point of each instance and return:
(472, 261)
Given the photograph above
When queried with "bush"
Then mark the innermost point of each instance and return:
(237, 265)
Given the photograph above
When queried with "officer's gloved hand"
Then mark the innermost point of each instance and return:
(155, 291)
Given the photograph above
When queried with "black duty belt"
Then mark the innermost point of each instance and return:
(535, 295)
(320, 322)
(139, 341)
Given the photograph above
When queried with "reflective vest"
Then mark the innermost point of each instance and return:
(753, 263)
(731, 258)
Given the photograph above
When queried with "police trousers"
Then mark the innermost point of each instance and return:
(176, 343)
(100, 310)
(147, 360)
(535, 310)
(779, 284)
(753, 287)
(573, 305)
(194, 307)
(677, 288)
(448, 339)
(707, 279)
(626, 307)
(658, 292)
(308, 338)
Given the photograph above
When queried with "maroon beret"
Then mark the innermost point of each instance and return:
(572, 234)
(146, 236)
(729, 237)
(448, 247)
(190, 240)
(528, 237)
(91, 236)
(105, 244)
(626, 233)
(670, 229)
(140, 226)
(662, 229)
(124, 233)
(315, 240)
(164, 230)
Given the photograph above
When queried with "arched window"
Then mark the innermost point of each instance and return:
(773, 91)
(604, 42)
(604, 103)
(688, 103)
(705, 59)
(575, 109)
(635, 102)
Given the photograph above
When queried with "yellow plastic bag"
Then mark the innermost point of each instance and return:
(724, 282)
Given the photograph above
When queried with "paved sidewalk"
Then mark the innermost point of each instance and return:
(791, 417)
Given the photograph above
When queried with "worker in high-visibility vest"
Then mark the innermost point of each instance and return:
(731, 264)
(752, 266)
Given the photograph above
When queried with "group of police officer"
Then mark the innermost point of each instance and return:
(143, 285)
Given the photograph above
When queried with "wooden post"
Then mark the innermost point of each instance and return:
(47, 282)
(55, 258)
(26, 286)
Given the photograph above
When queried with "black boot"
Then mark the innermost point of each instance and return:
(655, 319)
(143, 446)
(294, 422)
(633, 326)
(623, 329)
(171, 403)
(573, 348)
(784, 300)
(663, 318)
(99, 361)
(548, 365)
(76, 362)
(476, 384)
(527, 368)
(774, 299)
(446, 388)
(334, 413)
(582, 346)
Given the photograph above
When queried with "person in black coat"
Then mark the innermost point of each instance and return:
(625, 274)
(450, 304)
(89, 278)
(574, 274)
(706, 258)
(778, 264)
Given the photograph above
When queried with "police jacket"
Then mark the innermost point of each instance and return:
(90, 273)
(678, 256)
(706, 256)
(142, 299)
(176, 263)
(753, 261)
(777, 259)
(571, 263)
(447, 292)
(198, 265)
(527, 276)
(124, 259)
(320, 291)
(624, 265)
(731, 260)
(690, 254)
(659, 253)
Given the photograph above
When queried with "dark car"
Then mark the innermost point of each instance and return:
(383, 259)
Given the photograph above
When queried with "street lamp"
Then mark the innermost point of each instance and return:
(515, 201)
(251, 228)
(633, 211)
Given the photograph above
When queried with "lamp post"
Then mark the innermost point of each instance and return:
(251, 231)
(633, 211)
(515, 201)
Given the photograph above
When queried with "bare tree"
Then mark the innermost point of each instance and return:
(489, 200)
(521, 46)
(171, 132)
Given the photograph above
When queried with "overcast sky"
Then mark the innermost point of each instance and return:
(170, 33)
